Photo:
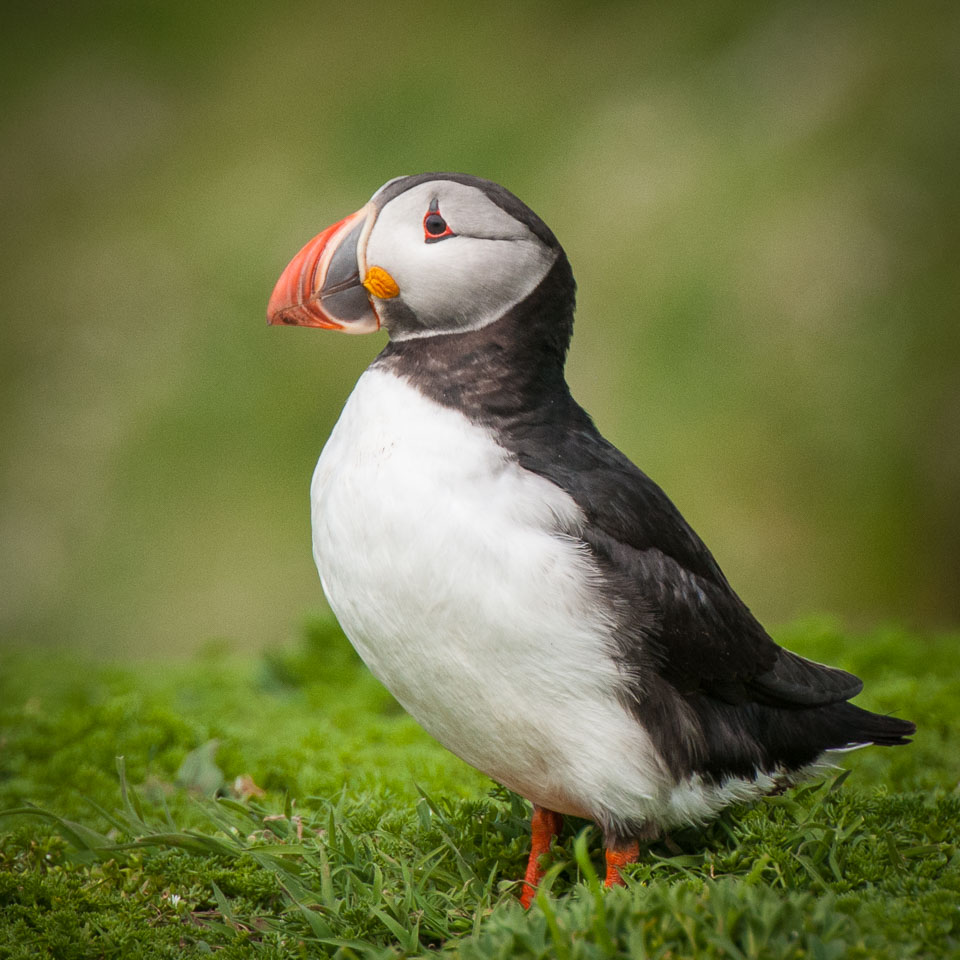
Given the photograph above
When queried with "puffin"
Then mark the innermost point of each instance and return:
(531, 597)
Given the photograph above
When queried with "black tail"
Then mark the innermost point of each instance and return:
(740, 740)
(862, 726)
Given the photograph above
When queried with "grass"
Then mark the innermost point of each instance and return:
(285, 807)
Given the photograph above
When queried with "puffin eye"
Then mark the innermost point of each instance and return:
(435, 227)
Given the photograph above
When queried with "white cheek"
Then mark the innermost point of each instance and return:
(462, 283)
(473, 282)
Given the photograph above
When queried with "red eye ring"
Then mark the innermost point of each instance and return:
(435, 227)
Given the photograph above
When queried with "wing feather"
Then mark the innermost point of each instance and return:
(690, 625)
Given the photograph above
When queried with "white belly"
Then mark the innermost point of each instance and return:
(455, 574)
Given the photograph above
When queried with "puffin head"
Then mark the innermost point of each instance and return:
(436, 253)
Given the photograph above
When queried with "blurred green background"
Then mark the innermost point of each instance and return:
(760, 202)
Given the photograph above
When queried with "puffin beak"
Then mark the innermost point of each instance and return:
(321, 286)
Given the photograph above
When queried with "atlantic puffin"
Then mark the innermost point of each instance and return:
(532, 598)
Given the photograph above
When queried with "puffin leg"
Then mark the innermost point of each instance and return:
(544, 826)
(628, 852)
(620, 851)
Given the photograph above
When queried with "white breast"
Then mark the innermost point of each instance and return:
(458, 577)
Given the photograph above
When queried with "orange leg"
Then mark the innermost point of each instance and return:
(544, 826)
(616, 857)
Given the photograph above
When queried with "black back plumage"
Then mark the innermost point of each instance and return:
(716, 694)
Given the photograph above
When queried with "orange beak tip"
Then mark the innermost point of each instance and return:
(319, 288)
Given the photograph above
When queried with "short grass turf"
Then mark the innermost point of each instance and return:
(284, 806)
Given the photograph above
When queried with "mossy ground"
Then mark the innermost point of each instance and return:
(284, 806)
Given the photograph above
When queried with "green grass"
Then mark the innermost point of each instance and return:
(285, 807)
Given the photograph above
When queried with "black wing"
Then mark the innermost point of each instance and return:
(715, 692)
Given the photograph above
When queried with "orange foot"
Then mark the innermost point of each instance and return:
(544, 826)
(616, 857)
